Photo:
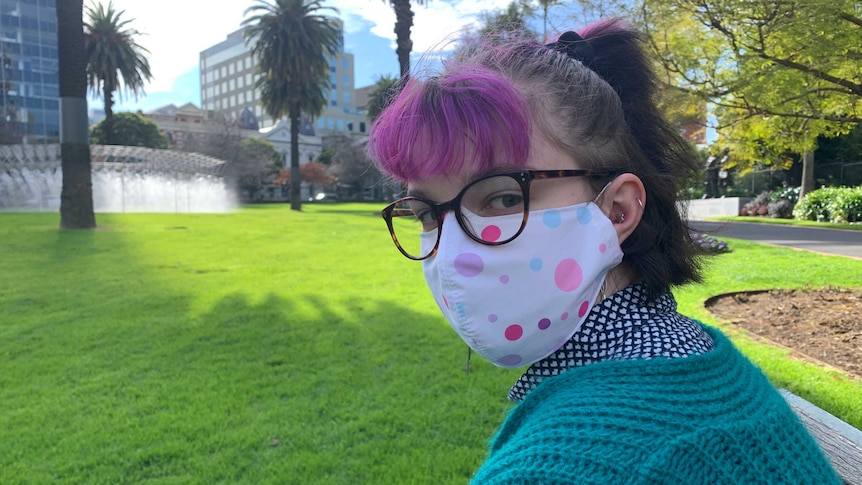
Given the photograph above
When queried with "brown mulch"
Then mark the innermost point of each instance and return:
(824, 324)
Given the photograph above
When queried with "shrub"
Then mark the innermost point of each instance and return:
(781, 209)
(757, 206)
(831, 204)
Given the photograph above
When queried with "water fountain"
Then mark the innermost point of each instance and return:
(125, 179)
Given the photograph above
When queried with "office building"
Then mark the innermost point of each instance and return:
(29, 85)
(228, 86)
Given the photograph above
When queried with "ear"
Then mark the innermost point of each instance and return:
(623, 201)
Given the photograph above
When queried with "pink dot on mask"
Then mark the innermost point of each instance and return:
(469, 264)
(504, 279)
(568, 275)
(564, 316)
(492, 318)
(544, 323)
(602, 248)
(514, 332)
(491, 233)
(583, 309)
(446, 302)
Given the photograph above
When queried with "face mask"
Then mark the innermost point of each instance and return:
(517, 303)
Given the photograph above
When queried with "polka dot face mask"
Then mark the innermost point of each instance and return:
(517, 303)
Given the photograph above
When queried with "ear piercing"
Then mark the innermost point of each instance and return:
(621, 218)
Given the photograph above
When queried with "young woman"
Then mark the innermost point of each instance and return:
(543, 181)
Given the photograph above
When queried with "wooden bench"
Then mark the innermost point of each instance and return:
(841, 442)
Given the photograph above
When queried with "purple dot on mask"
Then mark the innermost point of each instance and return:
(504, 279)
(469, 264)
(492, 318)
(510, 360)
(544, 323)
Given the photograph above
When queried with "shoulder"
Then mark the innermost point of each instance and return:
(616, 421)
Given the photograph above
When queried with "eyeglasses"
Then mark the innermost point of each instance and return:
(410, 219)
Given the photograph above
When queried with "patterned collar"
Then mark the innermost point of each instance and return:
(623, 326)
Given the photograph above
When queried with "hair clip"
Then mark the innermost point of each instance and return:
(574, 46)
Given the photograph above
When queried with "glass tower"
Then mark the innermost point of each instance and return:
(29, 85)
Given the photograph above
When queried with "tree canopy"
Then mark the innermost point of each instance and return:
(130, 129)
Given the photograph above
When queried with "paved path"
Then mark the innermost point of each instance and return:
(831, 241)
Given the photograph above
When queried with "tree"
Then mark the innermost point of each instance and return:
(508, 23)
(114, 59)
(780, 74)
(292, 42)
(256, 163)
(352, 168)
(403, 24)
(76, 197)
(378, 98)
(130, 129)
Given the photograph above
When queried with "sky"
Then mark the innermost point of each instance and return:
(176, 31)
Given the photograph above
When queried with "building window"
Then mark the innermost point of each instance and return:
(223, 71)
(232, 84)
(333, 103)
(248, 62)
(362, 127)
(345, 97)
(224, 87)
(217, 89)
(320, 123)
(330, 123)
(345, 80)
(240, 82)
(248, 79)
(345, 63)
(230, 70)
(340, 125)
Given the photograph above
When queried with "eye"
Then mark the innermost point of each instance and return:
(505, 201)
(427, 218)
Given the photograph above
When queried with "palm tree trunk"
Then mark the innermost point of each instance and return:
(807, 173)
(76, 197)
(108, 124)
(403, 24)
(295, 181)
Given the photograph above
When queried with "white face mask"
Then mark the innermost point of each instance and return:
(517, 303)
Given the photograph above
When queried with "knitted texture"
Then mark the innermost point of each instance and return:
(708, 418)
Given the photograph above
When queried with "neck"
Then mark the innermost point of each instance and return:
(618, 278)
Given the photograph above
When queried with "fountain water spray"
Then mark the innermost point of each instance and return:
(125, 179)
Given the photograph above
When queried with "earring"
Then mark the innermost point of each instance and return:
(621, 218)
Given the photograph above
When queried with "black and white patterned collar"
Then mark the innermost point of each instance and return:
(624, 326)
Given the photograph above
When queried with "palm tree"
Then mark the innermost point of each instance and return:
(292, 44)
(76, 197)
(113, 57)
(378, 98)
(403, 24)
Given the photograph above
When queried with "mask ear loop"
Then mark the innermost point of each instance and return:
(601, 195)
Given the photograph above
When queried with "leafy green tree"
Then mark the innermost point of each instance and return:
(292, 42)
(76, 196)
(781, 74)
(114, 59)
(509, 22)
(130, 129)
(403, 24)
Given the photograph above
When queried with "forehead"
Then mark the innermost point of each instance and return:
(543, 155)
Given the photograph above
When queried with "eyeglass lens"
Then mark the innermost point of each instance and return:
(481, 202)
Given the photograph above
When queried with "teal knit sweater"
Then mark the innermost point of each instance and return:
(705, 419)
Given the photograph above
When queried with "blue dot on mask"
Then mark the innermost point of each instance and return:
(535, 264)
(584, 215)
(552, 219)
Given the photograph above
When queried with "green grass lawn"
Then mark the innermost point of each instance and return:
(270, 346)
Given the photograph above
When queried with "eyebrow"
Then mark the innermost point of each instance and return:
(491, 171)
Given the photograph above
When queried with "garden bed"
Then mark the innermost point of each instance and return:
(820, 324)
